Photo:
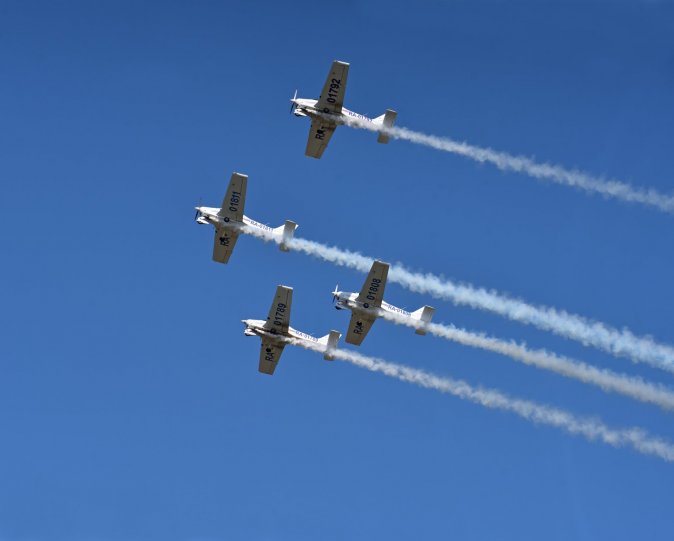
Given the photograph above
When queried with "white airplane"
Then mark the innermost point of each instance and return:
(277, 326)
(369, 304)
(230, 222)
(328, 111)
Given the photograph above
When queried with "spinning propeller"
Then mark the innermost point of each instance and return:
(198, 213)
(293, 105)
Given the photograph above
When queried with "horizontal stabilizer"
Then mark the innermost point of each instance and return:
(424, 315)
(388, 121)
(330, 341)
(287, 232)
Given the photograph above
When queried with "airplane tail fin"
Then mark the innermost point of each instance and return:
(330, 341)
(424, 315)
(287, 232)
(386, 120)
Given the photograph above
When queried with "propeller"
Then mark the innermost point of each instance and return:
(293, 105)
(335, 294)
(198, 213)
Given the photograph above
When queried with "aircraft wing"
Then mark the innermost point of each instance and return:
(270, 353)
(319, 137)
(278, 319)
(232, 204)
(223, 244)
(359, 326)
(373, 289)
(332, 95)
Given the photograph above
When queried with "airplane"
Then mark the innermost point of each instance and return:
(277, 327)
(328, 111)
(230, 222)
(369, 304)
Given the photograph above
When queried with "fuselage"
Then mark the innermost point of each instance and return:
(209, 215)
(348, 301)
(307, 107)
(256, 327)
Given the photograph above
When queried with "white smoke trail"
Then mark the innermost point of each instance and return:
(543, 171)
(621, 343)
(591, 428)
(633, 387)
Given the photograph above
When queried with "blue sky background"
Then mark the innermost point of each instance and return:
(130, 402)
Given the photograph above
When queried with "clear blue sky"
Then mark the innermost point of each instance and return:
(130, 403)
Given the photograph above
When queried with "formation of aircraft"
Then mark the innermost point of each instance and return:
(328, 111)
(276, 329)
(369, 304)
(230, 222)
